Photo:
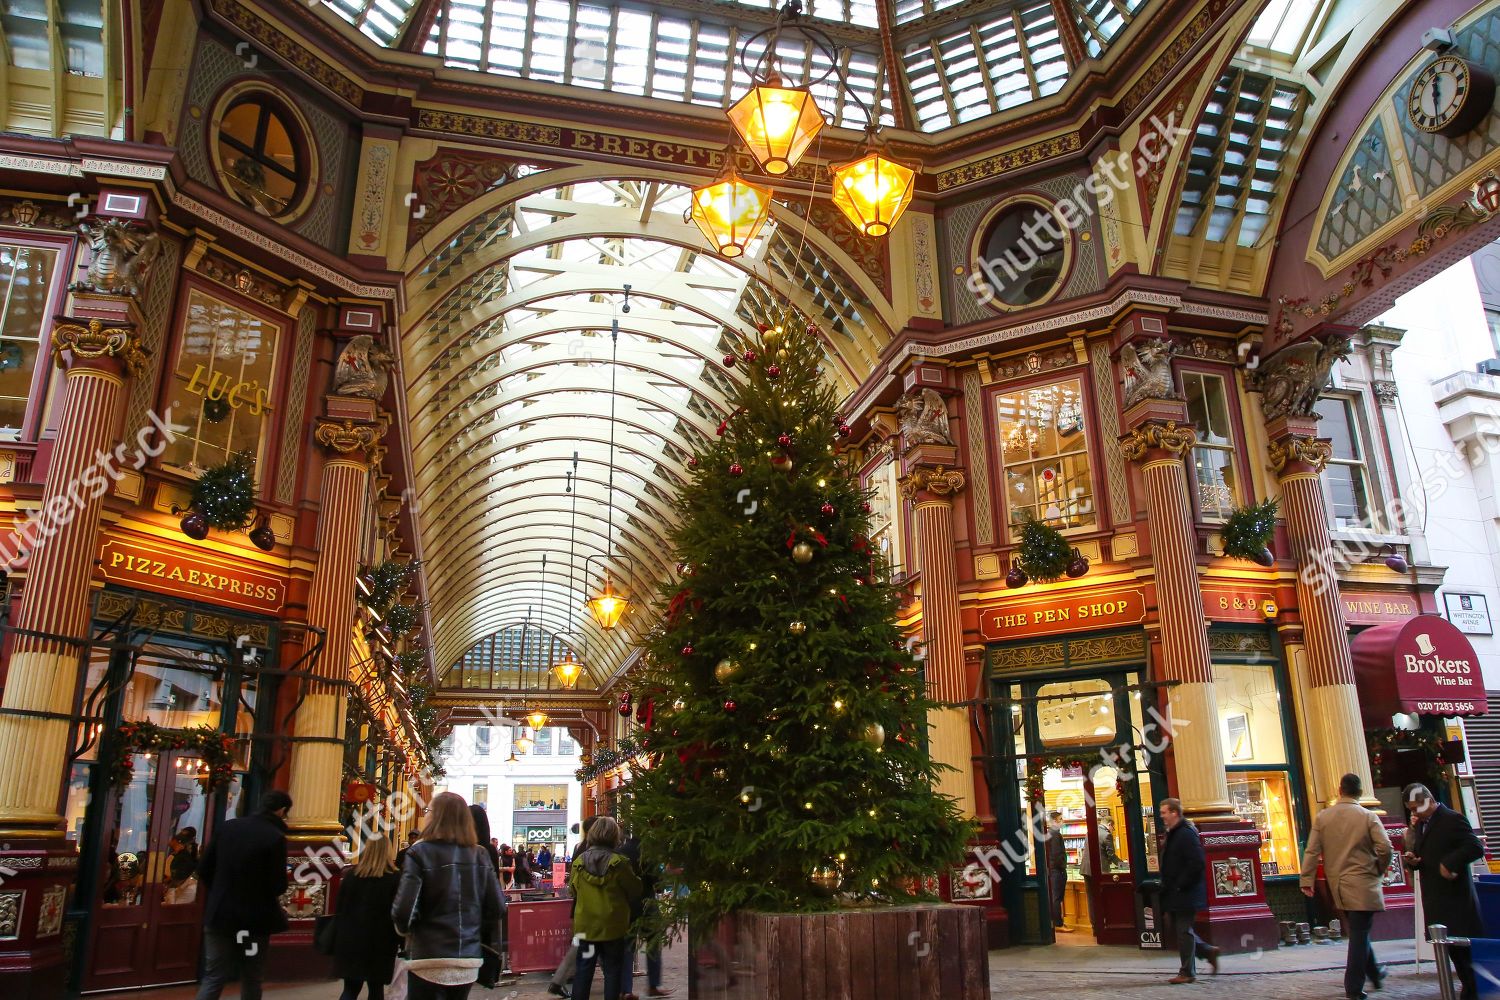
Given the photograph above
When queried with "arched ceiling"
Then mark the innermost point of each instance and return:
(532, 476)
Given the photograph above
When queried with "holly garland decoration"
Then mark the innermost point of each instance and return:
(427, 721)
(403, 619)
(606, 759)
(1384, 743)
(386, 581)
(216, 749)
(411, 663)
(778, 670)
(225, 494)
(1044, 553)
(1038, 765)
(1248, 532)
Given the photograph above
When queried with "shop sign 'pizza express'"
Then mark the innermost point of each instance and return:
(1045, 616)
(190, 576)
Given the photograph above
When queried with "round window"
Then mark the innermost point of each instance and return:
(259, 155)
(1022, 254)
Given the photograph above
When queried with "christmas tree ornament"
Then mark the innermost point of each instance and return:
(802, 553)
(194, 525)
(784, 440)
(782, 355)
(874, 734)
(750, 357)
(678, 705)
(773, 371)
(782, 463)
(625, 700)
(729, 360)
(845, 430)
(262, 536)
(1079, 566)
(687, 650)
(725, 669)
(692, 463)
(772, 337)
(797, 628)
(865, 507)
(827, 509)
(729, 705)
(1016, 578)
(736, 469)
(720, 774)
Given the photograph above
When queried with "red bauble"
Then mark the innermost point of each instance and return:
(729, 705)
(195, 525)
(729, 360)
(826, 509)
(845, 430)
(784, 440)
(865, 507)
(750, 357)
(693, 462)
(687, 650)
(625, 704)
(736, 469)
(761, 328)
(773, 371)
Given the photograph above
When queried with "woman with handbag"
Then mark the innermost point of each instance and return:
(364, 939)
(448, 904)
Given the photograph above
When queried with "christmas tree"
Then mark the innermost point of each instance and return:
(781, 711)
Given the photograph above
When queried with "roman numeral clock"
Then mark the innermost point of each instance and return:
(1450, 96)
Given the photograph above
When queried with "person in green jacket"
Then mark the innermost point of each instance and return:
(605, 890)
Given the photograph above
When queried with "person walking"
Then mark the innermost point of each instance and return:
(647, 908)
(606, 891)
(1355, 851)
(507, 866)
(544, 861)
(562, 979)
(523, 870)
(365, 941)
(448, 904)
(1056, 853)
(1184, 890)
(1441, 846)
(243, 871)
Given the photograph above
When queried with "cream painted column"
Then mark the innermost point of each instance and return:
(44, 672)
(1198, 753)
(1337, 739)
(930, 490)
(317, 764)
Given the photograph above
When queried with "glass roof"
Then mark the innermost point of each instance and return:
(956, 63)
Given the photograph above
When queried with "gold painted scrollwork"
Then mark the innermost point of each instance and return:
(1167, 437)
(346, 437)
(1310, 451)
(938, 481)
(98, 341)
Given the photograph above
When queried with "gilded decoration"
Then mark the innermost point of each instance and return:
(1046, 654)
(346, 436)
(449, 180)
(10, 915)
(1024, 365)
(1291, 380)
(1167, 437)
(938, 481)
(1228, 641)
(242, 280)
(1309, 451)
(98, 341)
(1108, 647)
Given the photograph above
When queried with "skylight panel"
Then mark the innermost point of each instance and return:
(910, 10)
(1283, 25)
(382, 20)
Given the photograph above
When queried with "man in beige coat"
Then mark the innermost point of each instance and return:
(1356, 853)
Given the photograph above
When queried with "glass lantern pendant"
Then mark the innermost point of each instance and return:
(777, 123)
(608, 606)
(873, 191)
(730, 211)
(567, 671)
(538, 719)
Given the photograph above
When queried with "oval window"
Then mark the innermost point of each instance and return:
(260, 156)
(1022, 254)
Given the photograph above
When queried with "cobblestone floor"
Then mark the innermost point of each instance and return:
(1066, 972)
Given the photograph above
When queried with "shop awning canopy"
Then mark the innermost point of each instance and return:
(1424, 666)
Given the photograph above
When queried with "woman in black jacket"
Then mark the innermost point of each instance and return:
(482, 831)
(448, 904)
(365, 941)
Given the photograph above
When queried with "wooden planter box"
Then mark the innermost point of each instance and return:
(930, 952)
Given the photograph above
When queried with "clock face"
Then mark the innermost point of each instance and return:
(1444, 97)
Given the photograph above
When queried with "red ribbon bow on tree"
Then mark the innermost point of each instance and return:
(818, 536)
(724, 424)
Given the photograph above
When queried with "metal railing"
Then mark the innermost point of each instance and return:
(1448, 985)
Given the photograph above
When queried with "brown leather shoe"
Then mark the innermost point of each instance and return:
(1179, 980)
(1213, 960)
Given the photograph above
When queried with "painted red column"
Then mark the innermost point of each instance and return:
(930, 491)
(44, 671)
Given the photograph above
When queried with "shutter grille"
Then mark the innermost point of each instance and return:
(1483, 736)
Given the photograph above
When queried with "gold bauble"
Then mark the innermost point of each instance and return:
(720, 774)
(725, 670)
(874, 734)
(798, 627)
(802, 552)
(782, 354)
(771, 338)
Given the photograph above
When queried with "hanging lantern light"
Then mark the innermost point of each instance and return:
(608, 607)
(567, 670)
(873, 191)
(777, 123)
(731, 210)
(524, 743)
(537, 718)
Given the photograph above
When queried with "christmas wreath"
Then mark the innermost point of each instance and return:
(216, 749)
(1044, 553)
(225, 494)
(1248, 532)
(1037, 766)
(1384, 744)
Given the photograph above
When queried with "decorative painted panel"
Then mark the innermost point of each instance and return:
(1234, 877)
(289, 461)
(156, 313)
(979, 466)
(1368, 197)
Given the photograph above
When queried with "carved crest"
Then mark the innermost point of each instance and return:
(123, 257)
(363, 368)
(1146, 371)
(924, 419)
(1291, 380)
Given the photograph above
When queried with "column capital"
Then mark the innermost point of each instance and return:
(1298, 453)
(73, 343)
(1158, 439)
(933, 482)
(344, 437)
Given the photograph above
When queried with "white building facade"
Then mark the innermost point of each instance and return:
(531, 801)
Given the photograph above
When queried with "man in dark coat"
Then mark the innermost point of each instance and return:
(1184, 890)
(1440, 844)
(1056, 854)
(244, 872)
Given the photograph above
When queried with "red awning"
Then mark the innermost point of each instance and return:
(1424, 665)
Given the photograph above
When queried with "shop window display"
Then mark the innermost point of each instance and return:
(1044, 451)
(1250, 727)
(221, 383)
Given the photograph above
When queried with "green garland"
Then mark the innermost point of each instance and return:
(411, 662)
(225, 494)
(1383, 742)
(387, 581)
(216, 749)
(402, 619)
(1248, 530)
(1044, 552)
(1036, 766)
(607, 759)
